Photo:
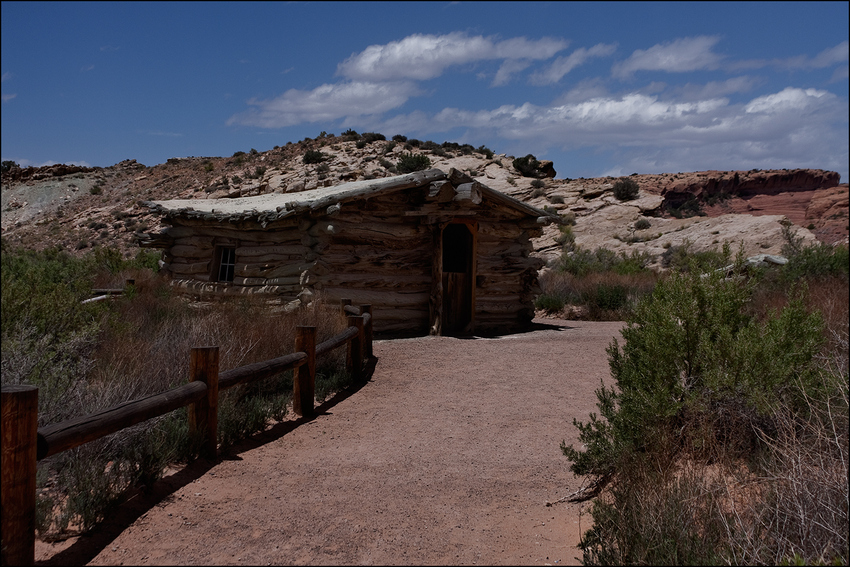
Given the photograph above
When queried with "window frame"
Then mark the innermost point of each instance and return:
(224, 264)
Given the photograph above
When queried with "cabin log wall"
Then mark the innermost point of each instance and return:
(383, 250)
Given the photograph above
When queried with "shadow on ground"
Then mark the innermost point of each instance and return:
(139, 502)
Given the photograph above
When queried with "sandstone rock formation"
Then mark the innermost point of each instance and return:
(77, 208)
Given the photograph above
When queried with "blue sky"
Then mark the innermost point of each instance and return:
(598, 88)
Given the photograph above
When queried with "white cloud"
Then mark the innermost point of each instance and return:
(791, 128)
(325, 103)
(8, 97)
(681, 55)
(790, 99)
(5, 77)
(87, 68)
(425, 56)
(838, 54)
(563, 65)
(714, 89)
(508, 68)
(826, 58)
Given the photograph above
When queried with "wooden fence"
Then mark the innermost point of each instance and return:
(24, 443)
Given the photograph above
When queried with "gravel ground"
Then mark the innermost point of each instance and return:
(448, 455)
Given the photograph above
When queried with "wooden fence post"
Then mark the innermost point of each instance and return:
(304, 385)
(354, 358)
(19, 460)
(364, 309)
(203, 415)
(342, 304)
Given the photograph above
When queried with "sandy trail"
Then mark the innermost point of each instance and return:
(447, 455)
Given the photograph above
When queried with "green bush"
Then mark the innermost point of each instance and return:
(581, 262)
(488, 153)
(703, 384)
(642, 224)
(408, 163)
(626, 189)
(550, 303)
(313, 156)
(528, 166)
(681, 257)
(370, 137)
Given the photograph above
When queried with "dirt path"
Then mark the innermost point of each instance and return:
(447, 455)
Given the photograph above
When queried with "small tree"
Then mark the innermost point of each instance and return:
(626, 189)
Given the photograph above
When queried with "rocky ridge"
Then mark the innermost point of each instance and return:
(77, 208)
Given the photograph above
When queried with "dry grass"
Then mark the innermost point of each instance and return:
(142, 349)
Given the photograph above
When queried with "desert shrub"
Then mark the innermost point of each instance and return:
(399, 138)
(626, 189)
(598, 296)
(581, 262)
(538, 183)
(488, 153)
(682, 257)
(528, 166)
(691, 207)
(642, 224)
(816, 260)
(408, 163)
(313, 156)
(539, 192)
(549, 302)
(723, 438)
(370, 137)
(8, 165)
(350, 136)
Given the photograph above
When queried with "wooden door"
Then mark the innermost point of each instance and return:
(458, 276)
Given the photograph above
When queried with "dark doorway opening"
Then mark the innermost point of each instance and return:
(458, 278)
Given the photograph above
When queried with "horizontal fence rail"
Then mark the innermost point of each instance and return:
(24, 443)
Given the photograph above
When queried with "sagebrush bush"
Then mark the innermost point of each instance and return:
(724, 436)
(528, 166)
(626, 189)
(408, 163)
(313, 156)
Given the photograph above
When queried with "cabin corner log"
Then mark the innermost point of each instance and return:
(19, 461)
(74, 432)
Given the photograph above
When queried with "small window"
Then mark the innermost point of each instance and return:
(225, 263)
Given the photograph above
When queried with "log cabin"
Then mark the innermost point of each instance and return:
(432, 252)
